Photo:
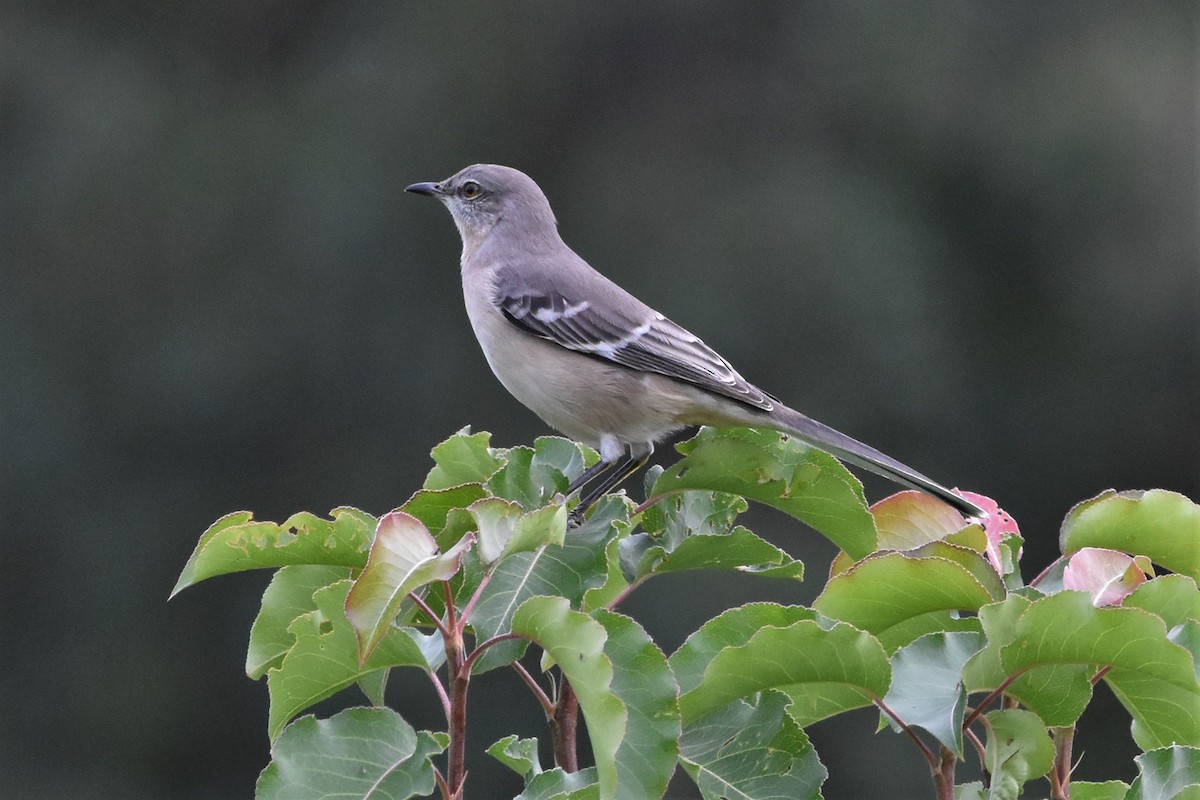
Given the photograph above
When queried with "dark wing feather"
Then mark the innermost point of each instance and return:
(649, 342)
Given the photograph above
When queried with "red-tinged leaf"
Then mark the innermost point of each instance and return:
(909, 519)
(1109, 576)
(998, 526)
(403, 557)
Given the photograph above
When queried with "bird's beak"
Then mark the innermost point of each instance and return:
(431, 189)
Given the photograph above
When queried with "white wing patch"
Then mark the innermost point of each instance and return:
(550, 315)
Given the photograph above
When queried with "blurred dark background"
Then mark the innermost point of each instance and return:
(964, 232)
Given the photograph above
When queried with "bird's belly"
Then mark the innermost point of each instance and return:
(580, 396)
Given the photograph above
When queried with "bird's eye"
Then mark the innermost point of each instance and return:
(470, 190)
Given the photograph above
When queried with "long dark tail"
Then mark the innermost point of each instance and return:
(848, 449)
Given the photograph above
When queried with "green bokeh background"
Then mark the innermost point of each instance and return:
(965, 232)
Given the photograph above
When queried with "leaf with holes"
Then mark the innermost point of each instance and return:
(324, 658)
(289, 595)
(238, 542)
(1018, 750)
(770, 468)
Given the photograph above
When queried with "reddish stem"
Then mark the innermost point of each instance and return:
(545, 702)
(999, 690)
(564, 724)
(421, 604)
(456, 768)
(1060, 776)
(930, 758)
(943, 775)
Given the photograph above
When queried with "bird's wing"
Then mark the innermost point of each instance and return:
(638, 338)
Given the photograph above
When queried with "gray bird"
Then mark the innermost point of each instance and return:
(592, 360)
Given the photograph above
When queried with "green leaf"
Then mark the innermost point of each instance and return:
(972, 560)
(519, 755)
(567, 571)
(403, 558)
(970, 791)
(739, 549)
(1175, 598)
(289, 595)
(1018, 750)
(1162, 525)
(615, 582)
(324, 658)
(433, 506)
(236, 542)
(801, 659)
(1109, 790)
(914, 628)
(463, 458)
(1166, 773)
(886, 590)
(731, 628)
(504, 528)
(576, 643)
(374, 685)
(770, 468)
(533, 476)
(358, 753)
(558, 785)
(643, 682)
(751, 750)
(1153, 678)
(677, 516)
(1057, 694)
(927, 687)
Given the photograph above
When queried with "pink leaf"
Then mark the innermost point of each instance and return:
(998, 526)
(1107, 575)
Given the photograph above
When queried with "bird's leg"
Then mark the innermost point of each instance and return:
(589, 474)
(617, 471)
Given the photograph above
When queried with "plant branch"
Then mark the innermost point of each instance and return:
(624, 593)
(480, 648)
(925, 751)
(546, 703)
(421, 604)
(1060, 775)
(943, 775)
(999, 690)
(487, 576)
(456, 771)
(443, 787)
(441, 693)
(649, 501)
(451, 613)
(564, 724)
(980, 750)
(1099, 676)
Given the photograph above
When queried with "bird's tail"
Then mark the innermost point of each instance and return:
(848, 449)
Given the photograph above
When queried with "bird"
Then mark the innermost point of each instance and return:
(593, 361)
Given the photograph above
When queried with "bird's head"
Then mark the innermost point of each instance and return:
(482, 196)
